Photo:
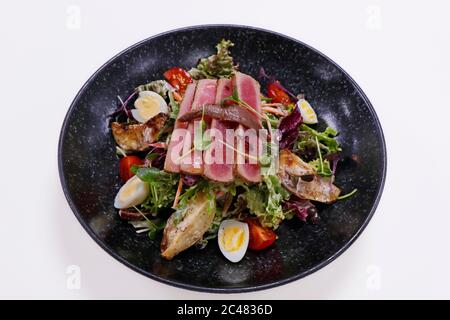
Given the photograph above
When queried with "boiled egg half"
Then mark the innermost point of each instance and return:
(307, 112)
(233, 239)
(132, 193)
(148, 105)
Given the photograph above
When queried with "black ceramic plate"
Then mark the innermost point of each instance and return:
(89, 169)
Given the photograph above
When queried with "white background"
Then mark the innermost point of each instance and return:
(398, 52)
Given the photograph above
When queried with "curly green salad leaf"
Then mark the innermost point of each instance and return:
(327, 142)
(217, 65)
(264, 200)
(322, 168)
(161, 87)
(163, 186)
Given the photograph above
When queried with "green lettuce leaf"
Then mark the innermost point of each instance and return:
(323, 169)
(161, 87)
(327, 140)
(216, 66)
(265, 201)
(163, 187)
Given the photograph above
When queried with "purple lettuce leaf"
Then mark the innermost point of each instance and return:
(303, 209)
(124, 107)
(288, 129)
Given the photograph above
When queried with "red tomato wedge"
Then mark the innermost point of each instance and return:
(178, 78)
(125, 166)
(260, 237)
(277, 94)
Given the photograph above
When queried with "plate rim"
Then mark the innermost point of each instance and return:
(220, 289)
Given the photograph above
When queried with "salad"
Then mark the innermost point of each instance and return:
(212, 152)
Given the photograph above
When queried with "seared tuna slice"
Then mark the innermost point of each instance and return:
(248, 167)
(191, 159)
(172, 163)
(219, 158)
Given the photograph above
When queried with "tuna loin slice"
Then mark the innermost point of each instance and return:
(172, 163)
(248, 91)
(219, 158)
(192, 160)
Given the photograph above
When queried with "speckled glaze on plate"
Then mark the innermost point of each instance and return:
(89, 169)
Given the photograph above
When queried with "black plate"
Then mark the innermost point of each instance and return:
(89, 169)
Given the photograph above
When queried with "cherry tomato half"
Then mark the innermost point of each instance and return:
(277, 94)
(178, 78)
(125, 166)
(260, 237)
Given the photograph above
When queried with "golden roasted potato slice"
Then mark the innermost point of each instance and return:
(301, 179)
(195, 222)
(138, 137)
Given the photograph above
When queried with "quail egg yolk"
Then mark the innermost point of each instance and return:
(233, 238)
(148, 107)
